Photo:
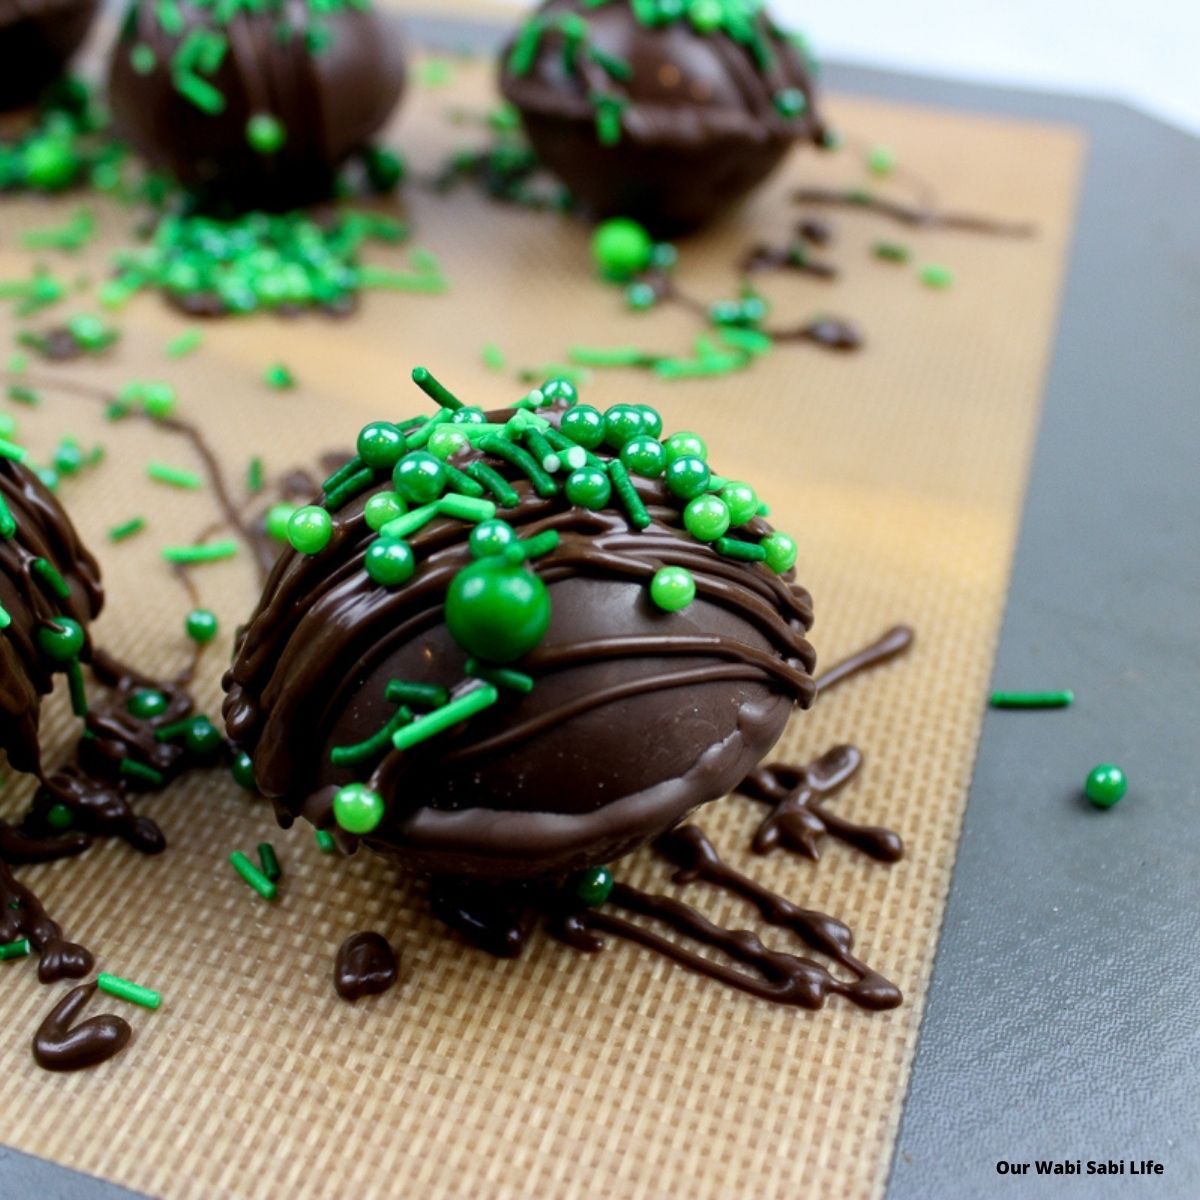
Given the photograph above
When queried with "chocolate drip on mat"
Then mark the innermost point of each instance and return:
(365, 966)
(61, 1045)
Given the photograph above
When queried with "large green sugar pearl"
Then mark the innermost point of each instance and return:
(621, 248)
(309, 529)
(419, 477)
(203, 738)
(380, 445)
(652, 422)
(584, 425)
(491, 538)
(706, 518)
(687, 477)
(146, 703)
(61, 641)
(781, 552)
(672, 588)
(497, 610)
(685, 445)
(201, 625)
(382, 508)
(589, 487)
(644, 456)
(357, 809)
(559, 391)
(1105, 785)
(622, 423)
(742, 501)
(50, 163)
(470, 415)
(446, 441)
(389, 562)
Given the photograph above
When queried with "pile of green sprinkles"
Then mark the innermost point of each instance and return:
(496, 606)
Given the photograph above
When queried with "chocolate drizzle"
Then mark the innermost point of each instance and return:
(917, 216)
(61, 1045)
(365, 966)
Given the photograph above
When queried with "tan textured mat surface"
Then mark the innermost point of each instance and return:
(900, 471)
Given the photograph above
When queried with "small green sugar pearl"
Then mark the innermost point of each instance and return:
(419, 477)
(593, 887)
(641, 297)
(559, 391)
(652, 422)
(672, 588)
(706, 518)
(491, 538)
(685, 445)
(741, 500)
(380, 445)
(382, 508)
(357, 809)
(781, 552)
(584, 425)
(201, 625)
(1105, 785)
(881, 160)
(622, 423)
(469, 416)
(203, 738)
(158, 399)
(446, 441)
(146, 703)
(59, 817)
(790, 102)
(687, 477)
(309, 529)
(621, 248)
(61, 641)
(265, 133)
(644, 456)
(389, 561)
(242, 770)
(589, 487)
(278, 516)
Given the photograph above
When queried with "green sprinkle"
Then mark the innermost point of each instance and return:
(18, 393)
(494, 482)
(881, 160)
(142, 58)
(254, 476)
(269, 861)
(75, 685)
(613, 356)
(466, 508)
(279, 377)
(378, 743)
(12, 950)
(935, 275)
(211, 552)
(737, 549)
(175, 476)
(199, 92)
(460, 709)
(5, 617)
(123, 989)
(253, 876)
(535, 547)
(501, 677)
(1105, 785)
(440, 395)
(176, 729)
(895, 252)
(325, 841)
(593, 887)
(265, 133)
(132, 769)
(8, 523)
(350, 467)
(349, 488)
(59, 817)
(524, 462)
(627, 493)
(1063, 699)
(187, 342)
(48, 575)
(424, 695)
(411, 522)
(493, 357)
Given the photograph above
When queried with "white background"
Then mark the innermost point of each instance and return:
(1146, 52)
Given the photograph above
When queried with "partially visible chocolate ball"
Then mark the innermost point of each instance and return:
(669, 120)
(37, 38)
(258, 110)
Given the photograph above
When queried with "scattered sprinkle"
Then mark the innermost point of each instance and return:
(186, 343)
(934, 275)
(123, 989)
(1063, 699)
(175, 476)
(253, 876)
(211, 552)
(279, 377)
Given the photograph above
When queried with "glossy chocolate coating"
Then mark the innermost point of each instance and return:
(37, 38)
(330, 101)
(637, 716)
(700, 128)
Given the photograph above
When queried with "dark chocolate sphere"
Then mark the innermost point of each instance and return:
(40, 553)
(259, 110)
(633, 717)
(669, 122)
(37, 38)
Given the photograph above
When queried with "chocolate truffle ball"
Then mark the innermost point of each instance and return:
(668, 112)
(515, 645)
(37, 37)
(260, 108)
(49, 592)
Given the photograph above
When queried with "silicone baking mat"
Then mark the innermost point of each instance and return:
(899, 469)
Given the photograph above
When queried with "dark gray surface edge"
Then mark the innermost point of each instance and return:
(1062, 1020)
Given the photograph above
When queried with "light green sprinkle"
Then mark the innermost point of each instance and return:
(935, 275)
(253, 876)
(118, 533)
(17, 949)
(412, 521)
(279, 377)
(254, 476)
(187, 342)
(325, 842)
(211, 552)
(175, 476)
(466, 508)
(493, 357)
(881, 160)
(895, 252)
(1062, 699)
(12, 451)
(20, 394)
(123, 989)
(458, 710)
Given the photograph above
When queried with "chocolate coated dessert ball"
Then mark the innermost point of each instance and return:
(667, 111)
(519, 644)
(258, 108)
